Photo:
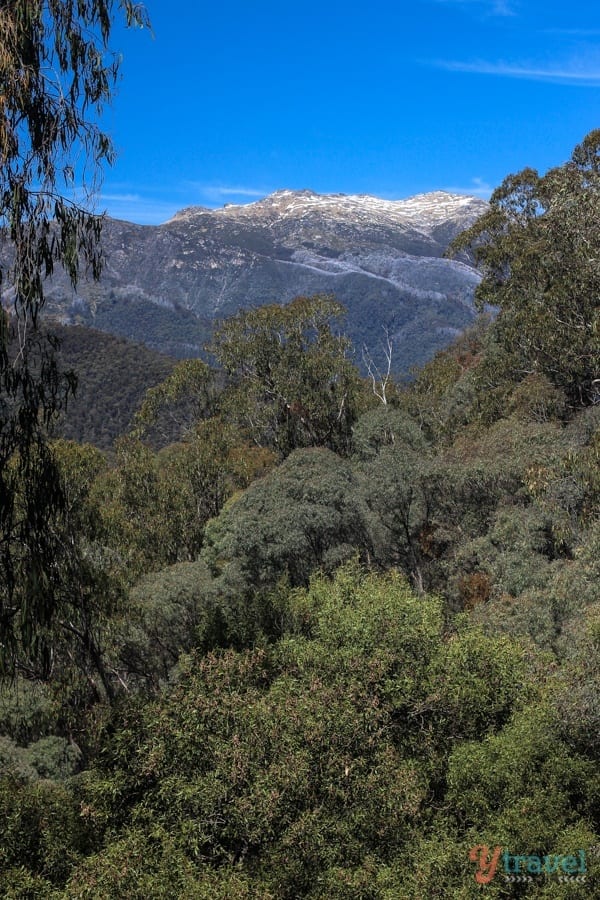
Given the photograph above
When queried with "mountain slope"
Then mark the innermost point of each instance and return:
(113, 376)
(382, 259)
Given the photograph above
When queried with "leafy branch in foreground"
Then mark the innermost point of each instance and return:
(56, 73)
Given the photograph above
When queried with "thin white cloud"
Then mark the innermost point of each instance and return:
(239, 192)
(121, 198)
(478, 188)
(147, 205)
(135, 208)
(489, 7)
(574, 74)
(218, 193)
(574, 32)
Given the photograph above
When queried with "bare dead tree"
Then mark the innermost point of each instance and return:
(380, 380)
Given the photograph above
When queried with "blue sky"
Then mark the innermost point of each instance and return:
(232, 100)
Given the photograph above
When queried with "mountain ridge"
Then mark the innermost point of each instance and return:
(382, 259)
(431, 202)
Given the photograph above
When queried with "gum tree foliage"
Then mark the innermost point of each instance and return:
(304, 515)
(172, 410)
(56, 73)
(425, 508)
(538, 248)
(154, 506)
(340, 762)
(361, 755)
(293, 384)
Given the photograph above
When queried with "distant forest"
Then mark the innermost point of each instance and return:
(112, 377)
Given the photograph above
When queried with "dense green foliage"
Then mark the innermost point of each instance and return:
(332, 650)
(294, 385)
(537, 249)
(113, 376)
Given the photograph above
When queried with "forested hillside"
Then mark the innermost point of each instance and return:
(338, 639)
(112, 375)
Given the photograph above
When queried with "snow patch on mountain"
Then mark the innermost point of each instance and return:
(422, 212)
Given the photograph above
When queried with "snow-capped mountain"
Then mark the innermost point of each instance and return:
(381, 258)
(423, 211)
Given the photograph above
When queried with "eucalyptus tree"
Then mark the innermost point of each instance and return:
(538, 246)
(293, 384)
(57, 71)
